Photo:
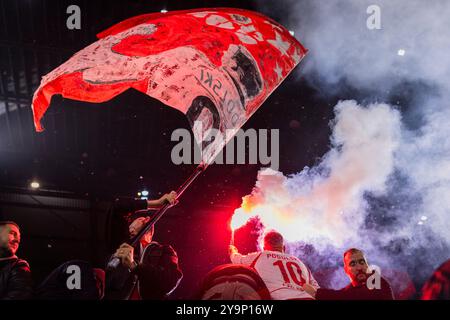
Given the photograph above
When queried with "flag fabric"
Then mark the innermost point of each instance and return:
(217, 66)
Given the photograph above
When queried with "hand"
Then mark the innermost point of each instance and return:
(126, 255)
(309, 289)
(169, 198)
(232, 250)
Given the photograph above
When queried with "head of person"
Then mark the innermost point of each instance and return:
(9, 238)
(355, 266)
(137, 225)
(273, 241)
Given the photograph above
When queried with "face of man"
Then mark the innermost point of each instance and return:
(137, 226)
(9, 240)
(355, 266)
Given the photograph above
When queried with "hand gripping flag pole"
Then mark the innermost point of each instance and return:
(114, 261)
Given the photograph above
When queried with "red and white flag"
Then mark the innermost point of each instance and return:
(217, 66)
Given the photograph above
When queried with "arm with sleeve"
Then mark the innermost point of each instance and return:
(248, 259)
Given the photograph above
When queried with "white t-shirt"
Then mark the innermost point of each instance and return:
(283, 274)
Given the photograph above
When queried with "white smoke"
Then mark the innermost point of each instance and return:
(385, 183)
(326, 205)
(343, 47)
(327, 202)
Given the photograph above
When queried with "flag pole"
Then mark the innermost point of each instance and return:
(114, 262)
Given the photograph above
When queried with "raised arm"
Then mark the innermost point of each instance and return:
(166, 198)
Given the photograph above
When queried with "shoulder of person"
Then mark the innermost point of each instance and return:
(346, 288)
(385, 283)
(293, 257)
(257, 254)
(22, 264)
(168, 249)
(162, 248)
(19, 264)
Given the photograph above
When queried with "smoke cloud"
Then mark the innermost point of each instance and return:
(384, 185)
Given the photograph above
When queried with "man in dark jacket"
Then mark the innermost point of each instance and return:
(356, 268)
(148, 271)
(15, 275)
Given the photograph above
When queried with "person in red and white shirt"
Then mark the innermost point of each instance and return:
(283, 274)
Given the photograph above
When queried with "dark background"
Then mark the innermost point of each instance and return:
(90, 154)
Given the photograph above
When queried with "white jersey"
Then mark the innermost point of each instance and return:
(283, 274)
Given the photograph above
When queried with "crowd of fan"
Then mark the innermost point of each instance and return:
(150, 271)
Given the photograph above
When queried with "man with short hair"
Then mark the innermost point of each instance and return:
(357, 269)
(147, 271)
(283, 274)
(15, 275)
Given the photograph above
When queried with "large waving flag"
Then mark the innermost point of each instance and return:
(217, 66)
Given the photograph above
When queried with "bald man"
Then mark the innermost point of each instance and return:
(357, 269)
(283, 274)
